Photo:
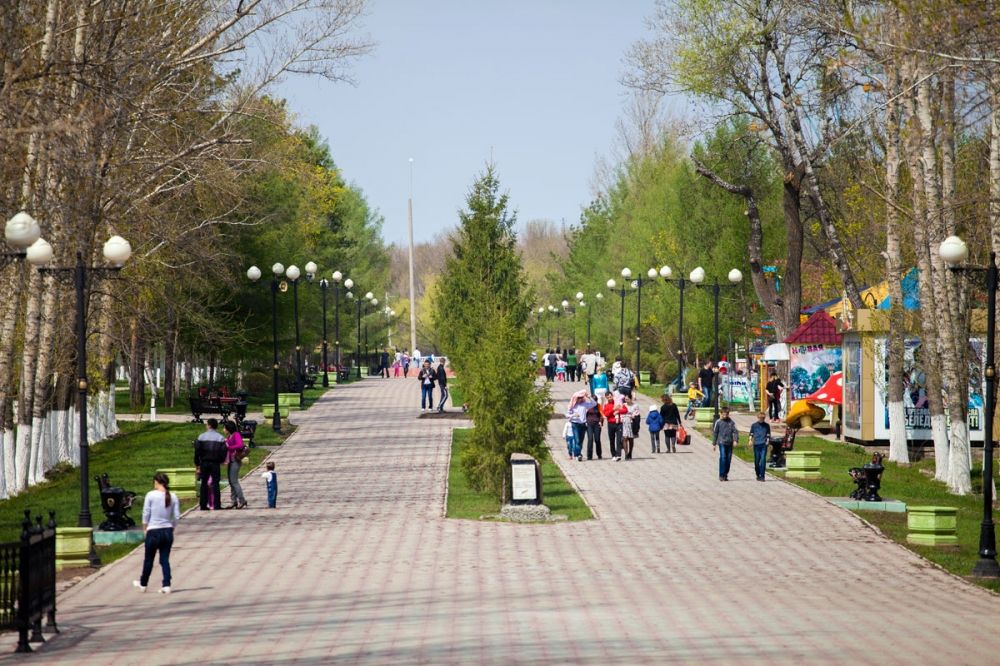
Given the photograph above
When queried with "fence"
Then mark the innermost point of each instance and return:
(28, 581)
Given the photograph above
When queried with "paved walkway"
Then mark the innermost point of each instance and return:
(358, 566)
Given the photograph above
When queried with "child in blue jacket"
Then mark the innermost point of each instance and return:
(655, 424)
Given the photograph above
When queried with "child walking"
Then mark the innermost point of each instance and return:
(271, 480)
(572, 443)
(654, 422)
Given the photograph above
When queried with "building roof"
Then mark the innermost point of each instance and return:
(820, 328)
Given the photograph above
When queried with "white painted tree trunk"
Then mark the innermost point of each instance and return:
(959, 472)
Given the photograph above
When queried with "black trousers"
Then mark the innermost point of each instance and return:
(615, 438)
(210, 470)
(593, 437)
(773, 407)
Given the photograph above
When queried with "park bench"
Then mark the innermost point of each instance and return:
(780, 446)
(115, 501)
(343, 373)
(212, 401)
(868, 480)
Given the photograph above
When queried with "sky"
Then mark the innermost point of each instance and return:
(532, 85)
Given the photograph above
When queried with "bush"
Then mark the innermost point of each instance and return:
(258, 383)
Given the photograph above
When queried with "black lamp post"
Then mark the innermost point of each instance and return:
(626, 275)
(337, 277)
(697, 277)
(357, 350)
(680, 283)
(116, 251)
(253, 273)
(954, 251)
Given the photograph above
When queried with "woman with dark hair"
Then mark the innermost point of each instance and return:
(160, 512)
(234, 450)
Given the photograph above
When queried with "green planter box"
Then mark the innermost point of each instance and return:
(680, 399)
(803, 464)
(268, 409)
(73, 547)
(704, 415)
(182, 481)
(644, 377)
(290, 400)
(932, 525)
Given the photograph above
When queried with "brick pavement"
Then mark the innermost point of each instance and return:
(358, 566)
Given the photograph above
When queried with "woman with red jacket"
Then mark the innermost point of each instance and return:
(613, 413)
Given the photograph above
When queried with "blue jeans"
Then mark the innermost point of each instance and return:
(573, 446)
(760, 459)
(157, 541)
(725, 459)
(427, 397)
(272, 494)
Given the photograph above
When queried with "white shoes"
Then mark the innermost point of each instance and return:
(142, 588)
(165, 590)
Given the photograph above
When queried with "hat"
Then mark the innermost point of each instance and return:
(652, 408)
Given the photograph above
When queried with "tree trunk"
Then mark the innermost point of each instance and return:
(26, 393)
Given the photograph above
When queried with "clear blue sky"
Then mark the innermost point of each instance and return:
(535, 84)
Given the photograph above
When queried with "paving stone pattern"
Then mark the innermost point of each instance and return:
(358, 566)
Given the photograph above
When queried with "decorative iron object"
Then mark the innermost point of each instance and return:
(115, 502)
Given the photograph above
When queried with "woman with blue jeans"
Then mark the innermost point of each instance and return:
(426, 377)
(160, 512)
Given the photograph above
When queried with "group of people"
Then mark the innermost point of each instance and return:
(161, 507)
(400, 362)
(429, 378)
(588, 415)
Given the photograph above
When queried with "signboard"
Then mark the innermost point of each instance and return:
(916, 410)
(810, 367)
(852, 384)
(523, 486)
(736, 389)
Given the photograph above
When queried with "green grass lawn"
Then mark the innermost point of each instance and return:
(913, 485)
(464, 502)
(130, 459)
(182, 406)
(457, 395)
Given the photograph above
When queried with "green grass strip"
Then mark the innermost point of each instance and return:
(464, 502)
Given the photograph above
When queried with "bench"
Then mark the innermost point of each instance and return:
(780, 446)
(223, 406)
(343, 373)
(868, 480)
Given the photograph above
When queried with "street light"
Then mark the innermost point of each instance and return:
(357, 342)
(697, 277)
(293, 275)
(253, 274)
(116, 252)
(21, 233)
(337, 277)
(954, 251)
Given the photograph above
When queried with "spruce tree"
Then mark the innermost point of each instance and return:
(480, 314)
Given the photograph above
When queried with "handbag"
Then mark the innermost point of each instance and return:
(682, 436)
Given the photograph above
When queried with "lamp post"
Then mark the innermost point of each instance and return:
(116, 252)
(621, 319)
(253, 273)
(348, 284)
(294, 274)
(538, 324)
(357, 348)
(954, 251)
(680, 283)
(697, 276)
(549, 327)
(571, 313)
(650, 277)
(337, 277)
(368, 359)
(375, 353)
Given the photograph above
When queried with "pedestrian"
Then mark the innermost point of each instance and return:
(235, 450)
(572, 444)
(654, 423)
(760, 437)
(629, 420)
(579, 404)
(406, 364)
(694, 400)
(547, 364)
(595, 419)
(561, 370)
(773, 388)
(271, 481)
(210, 452)
(587, 368)
(571, 364)
(441, 376)
(624, 380)
(611, 414)
(725, 436)
(396, 367)
(426, 377)
(383, 365)
(599, 385)
(706, 382)
(671, 422)
(160, 512)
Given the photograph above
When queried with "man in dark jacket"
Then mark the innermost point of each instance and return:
(725, 436)
(209, 453)
(426, 377)
(442, 382)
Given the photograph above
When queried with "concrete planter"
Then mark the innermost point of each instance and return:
(644, 377)
(73, 547)
(803, 464)
(182, 481)
(932, 525)
(704, 415)
(680, 399)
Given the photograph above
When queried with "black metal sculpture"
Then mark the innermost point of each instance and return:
(115, 502)
(868, 479)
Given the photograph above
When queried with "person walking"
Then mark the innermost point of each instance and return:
(547, 365)
(426, 378)
(234, 459)
(624, 380)
(706, 381)
(383, 365)
(210, 452)
(160, 512)
(773, 388)
(671, 422)
(654, 423)
(406, 364)
(441, 375)
(629, 418)
(587, 367)
(760, 437)
(576, 413)
(599, 385)
(571, 364)
(595, 419)
(724, 437)
(610, 410)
